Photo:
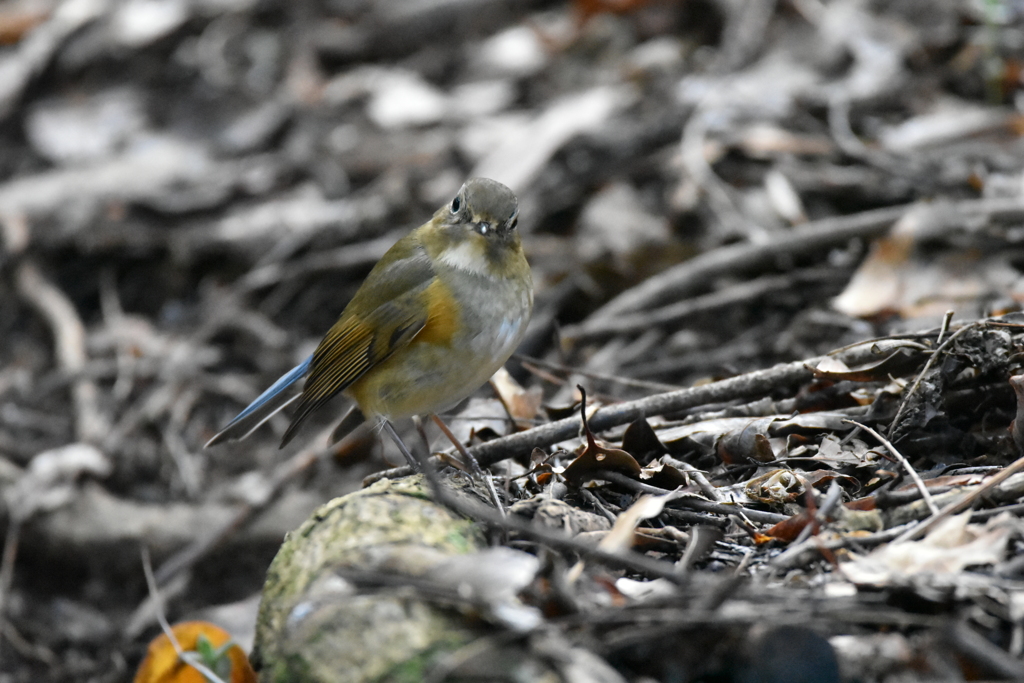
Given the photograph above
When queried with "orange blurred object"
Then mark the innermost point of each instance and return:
(589, 8)
(163, 665)
(15, 24)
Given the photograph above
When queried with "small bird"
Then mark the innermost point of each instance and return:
(441, 311)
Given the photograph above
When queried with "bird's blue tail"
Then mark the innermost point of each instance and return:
(264, 407)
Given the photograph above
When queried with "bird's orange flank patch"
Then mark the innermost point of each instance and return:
(443, 315)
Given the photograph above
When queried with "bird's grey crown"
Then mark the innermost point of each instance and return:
(486, 197)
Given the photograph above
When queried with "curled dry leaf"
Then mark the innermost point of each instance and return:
(775, 487)
(779, 486)
(522, 404)
(788, 529)
(837, 453)
(664, 476)
(595, 457)
(895, 363)
(747, 444)
(641, 441)
(621, 536)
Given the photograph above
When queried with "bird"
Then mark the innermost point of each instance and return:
(436, 317)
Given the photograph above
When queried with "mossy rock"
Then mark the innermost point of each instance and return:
(314, 626)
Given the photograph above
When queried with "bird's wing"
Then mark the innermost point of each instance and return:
(383, 316)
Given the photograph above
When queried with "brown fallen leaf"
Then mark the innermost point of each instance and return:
(595, 457)
(522, 404)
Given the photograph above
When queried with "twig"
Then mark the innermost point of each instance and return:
(745, 32)
(832, 498)
(349, 257)
(756, 383)
(474, 466)
(721, 197)
(25, 648)
(839, 125)
(963, 503)
(674, 313)
(705, 486)
(158, 602)
(804, 553)
(694, 502)
(132, 176)
(946, 320)
(529, 361)
(684, 278)
(284, 473)
(979, 648)
(623, 559)
(927, 366)
(69, 345)
(34, 53)
(811, 237)
(450, 662)
(918, 482)
(7, 566)
(165, 626)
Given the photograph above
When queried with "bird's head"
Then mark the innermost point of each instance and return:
(476, 231)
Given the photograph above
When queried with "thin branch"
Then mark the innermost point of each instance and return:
(756, 383)
(963, 503)
(474, 466)
(283, 474)
(927, 366)
(529, 361)
(695, 502)
(7, 566)
(808, 238)
(69, 346)
(918, 482)
(165, 626)
(626, 559)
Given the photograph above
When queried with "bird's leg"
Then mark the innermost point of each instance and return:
(471, 462)
(413, 462)
(421, 429)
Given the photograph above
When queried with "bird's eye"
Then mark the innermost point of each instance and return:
(456, 204)
(514, 223)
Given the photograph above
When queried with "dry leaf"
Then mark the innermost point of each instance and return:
(522, 404)
(621, 536)
(949, 548)
(595, 457)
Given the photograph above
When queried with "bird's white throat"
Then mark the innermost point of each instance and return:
(466, 256)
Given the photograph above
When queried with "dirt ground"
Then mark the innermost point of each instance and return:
(777, 248)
